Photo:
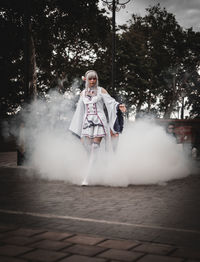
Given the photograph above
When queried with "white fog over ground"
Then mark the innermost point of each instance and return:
(145, 154)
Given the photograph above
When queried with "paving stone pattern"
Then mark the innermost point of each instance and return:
(47, 221)
(49, 246)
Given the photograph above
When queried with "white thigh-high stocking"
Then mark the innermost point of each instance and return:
(87, 143)
(92, 159)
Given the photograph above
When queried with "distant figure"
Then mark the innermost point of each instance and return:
(170, 131)
(196, 144)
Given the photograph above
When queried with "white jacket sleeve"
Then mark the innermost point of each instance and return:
(77, 120)
(112, 107)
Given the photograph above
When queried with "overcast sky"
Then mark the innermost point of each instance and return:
(187, 12)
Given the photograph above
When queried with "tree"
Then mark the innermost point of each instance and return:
(154, 57)
(65, 37)
(191, 84)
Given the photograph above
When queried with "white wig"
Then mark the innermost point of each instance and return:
(90, 74)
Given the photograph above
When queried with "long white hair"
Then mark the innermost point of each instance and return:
(90, 74)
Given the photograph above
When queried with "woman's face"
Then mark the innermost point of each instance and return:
(92, 81)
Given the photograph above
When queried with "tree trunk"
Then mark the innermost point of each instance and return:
(32, 71)
(30, 77)
(149, 102)
(138, 108)
(172, 102)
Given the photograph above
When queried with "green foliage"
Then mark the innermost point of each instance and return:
(67, 36)
(155, 58)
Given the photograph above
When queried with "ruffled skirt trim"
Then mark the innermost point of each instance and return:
(93, 127)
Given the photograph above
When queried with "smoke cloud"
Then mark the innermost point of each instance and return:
(145, 153)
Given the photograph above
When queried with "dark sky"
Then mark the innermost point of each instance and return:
(187, 12)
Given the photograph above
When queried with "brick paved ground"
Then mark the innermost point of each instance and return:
(44, 220)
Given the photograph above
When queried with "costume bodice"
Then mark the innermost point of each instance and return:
(90, 111)
(93, 104)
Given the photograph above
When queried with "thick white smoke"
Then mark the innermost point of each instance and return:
(145, 154)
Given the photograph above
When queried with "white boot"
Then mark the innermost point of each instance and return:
(93, 156)
(84, 183)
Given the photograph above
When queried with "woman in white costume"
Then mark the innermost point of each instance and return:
(90, 122)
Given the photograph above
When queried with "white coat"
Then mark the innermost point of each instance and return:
(96, 103)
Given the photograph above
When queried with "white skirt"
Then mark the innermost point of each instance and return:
(93, 127)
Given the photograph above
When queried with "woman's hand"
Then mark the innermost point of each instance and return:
(122, 108)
